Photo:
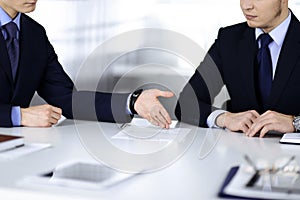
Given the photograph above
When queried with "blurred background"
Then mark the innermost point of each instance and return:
(77, 27)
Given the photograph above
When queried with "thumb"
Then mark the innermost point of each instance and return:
(166, 94)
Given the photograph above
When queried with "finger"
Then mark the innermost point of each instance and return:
(253, 130)
(255, 113)
(46, 124)
(258, 124)
(161, 120)
(53, 121)
(164, 122)
(57, 110)
(158, 118)
(56, 116)
(166, 94)
(244, 128)
(248, 123)
(164, 113)
(154, 121)
(264, 131)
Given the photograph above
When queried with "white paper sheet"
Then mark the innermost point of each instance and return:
(151, 134)
(28, 148)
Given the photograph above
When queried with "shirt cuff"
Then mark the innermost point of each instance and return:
(211, 120)
(128, 111)
(16, 115)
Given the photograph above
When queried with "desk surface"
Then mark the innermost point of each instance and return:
(197, 173)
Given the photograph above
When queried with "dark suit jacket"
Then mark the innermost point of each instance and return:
(39, 70)
(231, 61)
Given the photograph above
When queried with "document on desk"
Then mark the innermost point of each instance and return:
(10, 142)
(141, 129)
(290, 138)
(26, 149)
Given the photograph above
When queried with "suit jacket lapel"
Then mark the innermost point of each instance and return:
(4, 59)
(246, 60)
(288, 57)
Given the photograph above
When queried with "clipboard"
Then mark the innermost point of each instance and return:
(252, 186)
(222, 194)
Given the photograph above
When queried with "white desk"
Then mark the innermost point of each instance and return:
(197, 174)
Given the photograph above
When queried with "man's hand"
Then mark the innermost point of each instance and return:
(237, 121)
(148, 106)
(271, 121)
(40, 116)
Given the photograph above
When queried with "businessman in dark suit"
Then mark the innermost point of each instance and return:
(259, 62)
(28, 63)
(235, 56)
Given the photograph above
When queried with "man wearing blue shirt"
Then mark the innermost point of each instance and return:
(28, 63)
(254, 106)
(259, 63)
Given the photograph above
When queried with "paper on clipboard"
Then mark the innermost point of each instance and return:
(237, 187)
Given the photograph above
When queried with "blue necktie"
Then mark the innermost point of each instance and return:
(264, 68)
(12, 45)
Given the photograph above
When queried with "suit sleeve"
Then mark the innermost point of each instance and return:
(195, 101)
(58, 90)
(5, 116)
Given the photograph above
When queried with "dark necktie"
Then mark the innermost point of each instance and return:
(264, 68)
(12, 45)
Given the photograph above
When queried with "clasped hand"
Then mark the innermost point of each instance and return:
(251, 123)
(40, 116)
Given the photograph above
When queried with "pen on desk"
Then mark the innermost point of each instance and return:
(124, 125)
(253, 180)
(249, 161)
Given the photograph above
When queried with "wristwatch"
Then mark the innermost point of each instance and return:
(296, 123)
(133, 99)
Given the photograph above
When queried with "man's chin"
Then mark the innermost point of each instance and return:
(28, 10)
(252, 24)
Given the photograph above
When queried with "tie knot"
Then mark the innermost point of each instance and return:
(11, 29)
(265, 40)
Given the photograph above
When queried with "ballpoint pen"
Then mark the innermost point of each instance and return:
(124, 125)
(250, 162)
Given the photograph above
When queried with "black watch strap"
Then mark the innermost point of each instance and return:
(133, 98)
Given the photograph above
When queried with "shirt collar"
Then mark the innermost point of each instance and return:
(5, 18)
(278, 33)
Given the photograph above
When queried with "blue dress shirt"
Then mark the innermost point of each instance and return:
(4, 19)
(278, 35)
